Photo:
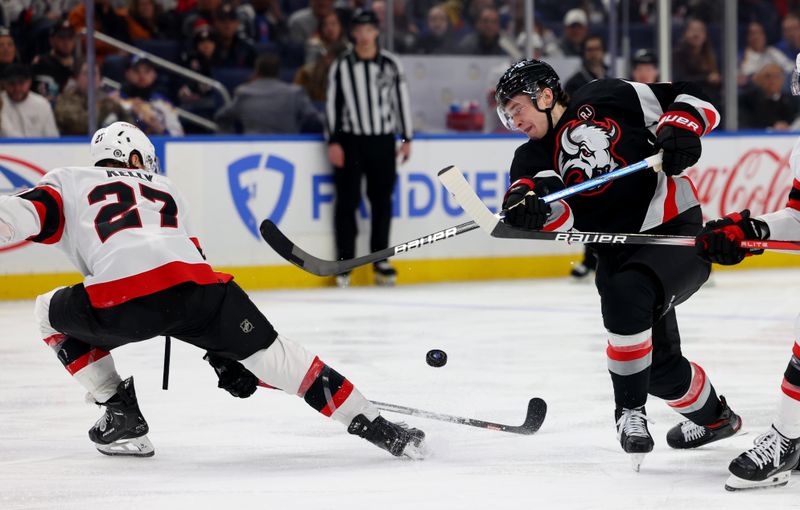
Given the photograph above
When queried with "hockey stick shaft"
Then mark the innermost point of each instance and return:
(537, 410)
(320, 267)
(455, 182)
(167, 351)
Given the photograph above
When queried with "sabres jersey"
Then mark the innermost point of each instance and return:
(127, 231)
(610, 124)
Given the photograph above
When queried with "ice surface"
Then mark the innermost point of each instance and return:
(506, 342)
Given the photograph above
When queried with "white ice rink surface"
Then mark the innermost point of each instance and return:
(506, 341)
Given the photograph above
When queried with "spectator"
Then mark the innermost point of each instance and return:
(202, 13)
(644, 66)
(263, 21)
(303, 23)
(24, 113)
(146, 20)
(593, 64)
(330, 32)
(8, 50)
(71, 111)
(790, 43)
(757, 54)
(576, 29)
(764, 106)
(106, 20)
(154, 113)
(267, 105)
(313, 77)
(52, 70)
(438, 38)
(200, 59)
(487, 40)
(694, 60)
(233, 48)
(362, 144)
(405, 32)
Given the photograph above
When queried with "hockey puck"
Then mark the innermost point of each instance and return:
(436, 358)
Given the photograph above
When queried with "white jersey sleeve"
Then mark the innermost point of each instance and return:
(784, 225)
(18, 219)
(125, 230)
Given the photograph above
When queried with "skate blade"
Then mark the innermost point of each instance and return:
(419, 451)
(136, 447)
(636, 461)
(734, 483)
(385, 281)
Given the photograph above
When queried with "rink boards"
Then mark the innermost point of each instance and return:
(233, 183)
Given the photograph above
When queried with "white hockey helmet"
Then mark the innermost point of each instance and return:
(118, 141)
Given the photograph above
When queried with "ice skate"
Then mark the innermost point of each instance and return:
(397, 439)
(122, 429)
(581, 273)
(633, 435)
(343, 280)
(385, 274)
(688, 434)
(768, 464)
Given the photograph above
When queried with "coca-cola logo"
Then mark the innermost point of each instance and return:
(17, 175)
(759, 180)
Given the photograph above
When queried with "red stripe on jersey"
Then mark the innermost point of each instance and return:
(55, 340)
(85, 360)
(196, 243)
(338, 398)
(695, 389)
(629, 352)
(794, 204)
(108, 294)
(561, 219)
(57, 197)
(796, 350)
(265, 385)
(313, 372)
(790, 390)
(670, 206)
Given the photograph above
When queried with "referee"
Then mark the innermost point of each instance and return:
(367, 105)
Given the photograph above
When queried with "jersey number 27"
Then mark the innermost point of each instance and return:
(122, 214)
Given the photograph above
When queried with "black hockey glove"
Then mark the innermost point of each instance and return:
(718, 242)
(523, 208)
(233, 377)
(678, 135)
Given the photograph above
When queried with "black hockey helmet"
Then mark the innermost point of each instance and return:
(526, 77)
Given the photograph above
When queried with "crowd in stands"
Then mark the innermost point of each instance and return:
(273, 55)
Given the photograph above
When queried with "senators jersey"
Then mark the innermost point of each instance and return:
(127, 231)
(610, 124)
(784, 225)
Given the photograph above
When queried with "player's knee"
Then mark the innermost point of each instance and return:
(628, 299)
(41, 310)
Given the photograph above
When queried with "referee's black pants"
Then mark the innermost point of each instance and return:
(373, 157)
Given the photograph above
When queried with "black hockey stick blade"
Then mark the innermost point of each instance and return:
(284, 247)
(537, 411)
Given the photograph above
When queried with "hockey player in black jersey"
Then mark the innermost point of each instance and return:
(610, 124)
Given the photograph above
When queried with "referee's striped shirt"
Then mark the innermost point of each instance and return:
(367, 97)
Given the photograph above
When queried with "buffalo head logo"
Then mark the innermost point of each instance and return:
(587, 150)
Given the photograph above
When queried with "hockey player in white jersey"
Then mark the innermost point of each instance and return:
(777, 451)
(126, 229)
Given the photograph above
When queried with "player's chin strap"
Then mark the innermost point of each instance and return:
(546, 111)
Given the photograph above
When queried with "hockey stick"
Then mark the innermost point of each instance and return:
(165, 377)
(454, 181)
(537, 410)
(320, 267)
